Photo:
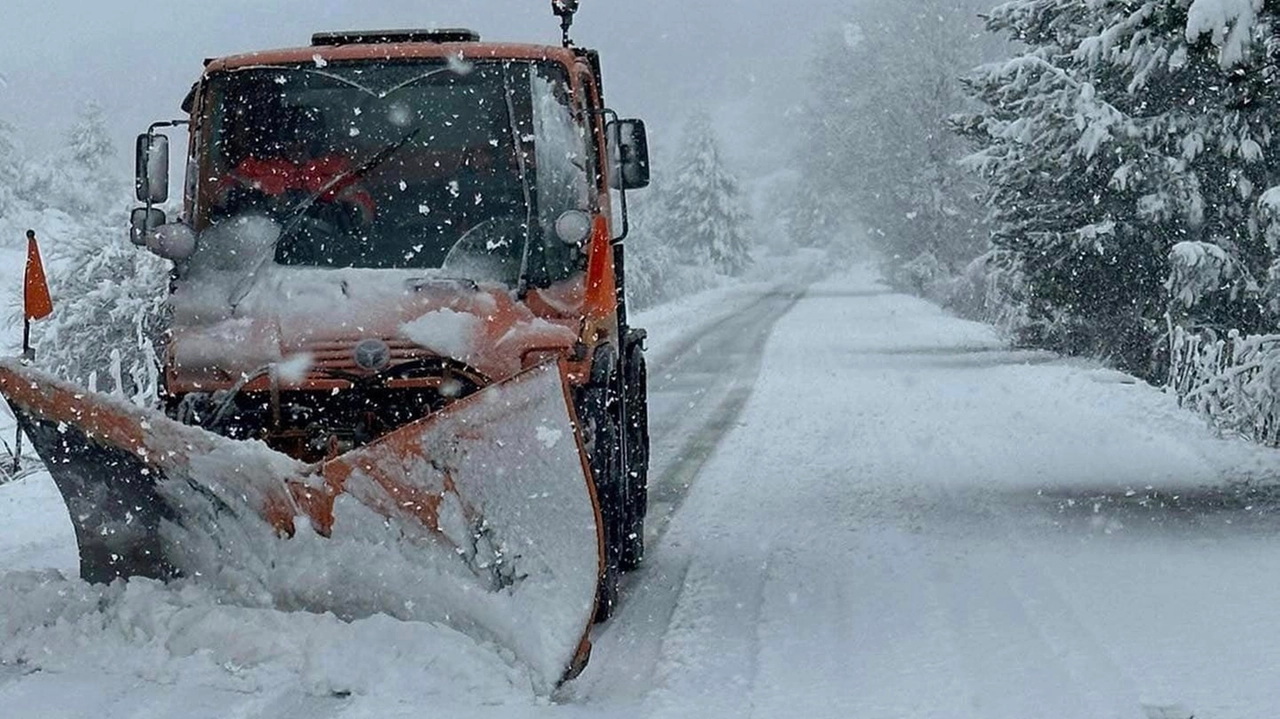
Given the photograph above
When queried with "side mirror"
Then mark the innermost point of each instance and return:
(152, 168)
(628, 154)
(143, 222)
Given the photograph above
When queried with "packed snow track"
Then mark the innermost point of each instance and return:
(860, 507)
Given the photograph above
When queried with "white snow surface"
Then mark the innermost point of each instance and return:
(1228, 22)
(446, 332)
(907, 519)
(1196, 270)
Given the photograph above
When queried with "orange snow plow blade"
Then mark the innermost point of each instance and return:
(481, 516)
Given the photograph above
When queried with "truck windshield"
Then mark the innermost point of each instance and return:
(423, 164)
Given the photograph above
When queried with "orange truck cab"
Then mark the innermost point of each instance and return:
(382, 223)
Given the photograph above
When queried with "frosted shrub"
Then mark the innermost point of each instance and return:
(1232, 380)
(110, 312)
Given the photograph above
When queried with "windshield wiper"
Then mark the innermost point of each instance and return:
(381, 95)
(522, 283)
(295, 213)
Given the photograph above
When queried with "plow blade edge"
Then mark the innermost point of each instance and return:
(481, 516)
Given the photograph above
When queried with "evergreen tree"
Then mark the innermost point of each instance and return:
(658, 268)
(702, 214)
(88, 144)
(1125, 129)
(79, 180)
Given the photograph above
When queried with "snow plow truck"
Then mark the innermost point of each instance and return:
(398, 374)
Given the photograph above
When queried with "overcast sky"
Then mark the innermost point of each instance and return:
(742, 59)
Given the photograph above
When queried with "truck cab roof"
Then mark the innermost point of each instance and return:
(393, 45)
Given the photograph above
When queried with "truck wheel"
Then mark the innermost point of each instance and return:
(637, 429)
(601, 436)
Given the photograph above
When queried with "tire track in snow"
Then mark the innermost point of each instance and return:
(1012, 646)
(720, 363)
(698, 390)
(709, 659)
(1033, 615)
(1040, 610)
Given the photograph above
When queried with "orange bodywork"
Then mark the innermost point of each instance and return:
(496, 469)
(517, 333)
(399, 51)
(510, 336)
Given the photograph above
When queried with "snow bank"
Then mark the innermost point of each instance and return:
(183, 634)
(35, 532)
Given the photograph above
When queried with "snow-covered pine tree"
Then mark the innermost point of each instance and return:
(1125, 128)
(78, 177)
(658, 268)
(1053, 210)
(87, 163)
(703, 216)
(1194, 76)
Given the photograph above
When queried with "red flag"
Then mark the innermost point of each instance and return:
(36, 301)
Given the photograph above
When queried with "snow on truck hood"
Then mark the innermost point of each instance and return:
(237, 313)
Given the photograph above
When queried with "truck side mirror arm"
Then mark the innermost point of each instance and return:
(151, 180)
(628, 154)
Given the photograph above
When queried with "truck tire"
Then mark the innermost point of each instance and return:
(637, 466)
(600, 433)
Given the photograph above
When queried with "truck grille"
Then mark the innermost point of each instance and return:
(340, 354)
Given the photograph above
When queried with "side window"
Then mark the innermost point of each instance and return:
(563, 165)
(589, 118)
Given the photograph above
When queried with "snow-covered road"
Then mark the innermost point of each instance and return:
(862, 507)
(909, 520)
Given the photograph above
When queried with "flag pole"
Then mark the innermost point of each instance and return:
(28, 353)
(36, 305)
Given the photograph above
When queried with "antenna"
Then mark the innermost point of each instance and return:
(565, 9)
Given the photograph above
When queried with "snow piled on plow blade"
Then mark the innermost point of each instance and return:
(145, 649)
(481, 517)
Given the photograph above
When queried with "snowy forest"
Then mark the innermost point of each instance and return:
(1098, 178)
(1095, 178)
(821, 358)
